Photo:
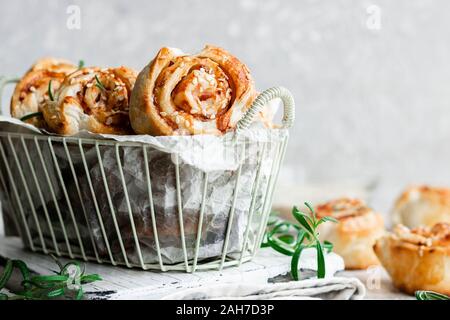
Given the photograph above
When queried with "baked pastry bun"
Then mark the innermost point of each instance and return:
(92, 99)
(31, 92)
(417, 259)
(180, 94)
(422, 206)
(355, 233)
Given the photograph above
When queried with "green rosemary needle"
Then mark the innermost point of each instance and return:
(291, 239)
(49, 91)
(31, 115)
(99, 84)
(430, 295)
(67, 283)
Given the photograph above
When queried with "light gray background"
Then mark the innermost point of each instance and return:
(373, 105)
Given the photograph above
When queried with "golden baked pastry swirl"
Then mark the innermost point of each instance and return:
(92, 99)
(179, 94)
(355, 233)
(417, 259)
(31, 92)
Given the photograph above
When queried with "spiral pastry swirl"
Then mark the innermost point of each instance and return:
(31, 92)
(92, 99)
(179, 94)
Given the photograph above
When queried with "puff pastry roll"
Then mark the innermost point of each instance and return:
(92, 99)
(417, 259)
(422, 206)
(355, 233)
(31, 92)
(180, 94)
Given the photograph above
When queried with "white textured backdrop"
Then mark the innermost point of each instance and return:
(371, 78)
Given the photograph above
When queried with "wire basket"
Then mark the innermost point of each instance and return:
(59, 207)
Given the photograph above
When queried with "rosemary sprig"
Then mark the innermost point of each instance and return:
(80, 64)
(49, 91)
(31, 115)
(67, 283)
(99, 84)
(430, 295)
(291, 239)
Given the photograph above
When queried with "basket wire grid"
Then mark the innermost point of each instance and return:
(14, 178)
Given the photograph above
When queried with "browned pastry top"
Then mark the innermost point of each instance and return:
(439, 235)
(343, 208)
(437, 195)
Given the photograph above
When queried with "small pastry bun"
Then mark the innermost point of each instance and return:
(417, 259)
(422, 206)
(31, 92)
(355, 233)
(92, 99)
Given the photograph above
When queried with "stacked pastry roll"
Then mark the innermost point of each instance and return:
(62, 98)
(175, 94)
(205, 93)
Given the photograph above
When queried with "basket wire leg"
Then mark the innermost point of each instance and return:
(16, 195)
(111, 207)
(180, 211)
(253, 203)
(41, 197)
(69, 205)
(94, 198)
(152, 208)
(77, 186)
(8, 195)
(130, 213)
(200, 221)
(266, 209)
(27, 192)
(264, 212)
(233, 209)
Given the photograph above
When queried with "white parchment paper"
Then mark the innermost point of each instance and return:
(53, 185)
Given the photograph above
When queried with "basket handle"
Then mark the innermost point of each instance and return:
(266, 96)
(4, 81)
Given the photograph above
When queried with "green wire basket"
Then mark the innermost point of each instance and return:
(50, 194)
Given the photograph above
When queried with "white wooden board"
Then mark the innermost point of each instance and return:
(124, 283)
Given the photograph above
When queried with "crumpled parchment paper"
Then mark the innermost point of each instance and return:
(96, 193)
